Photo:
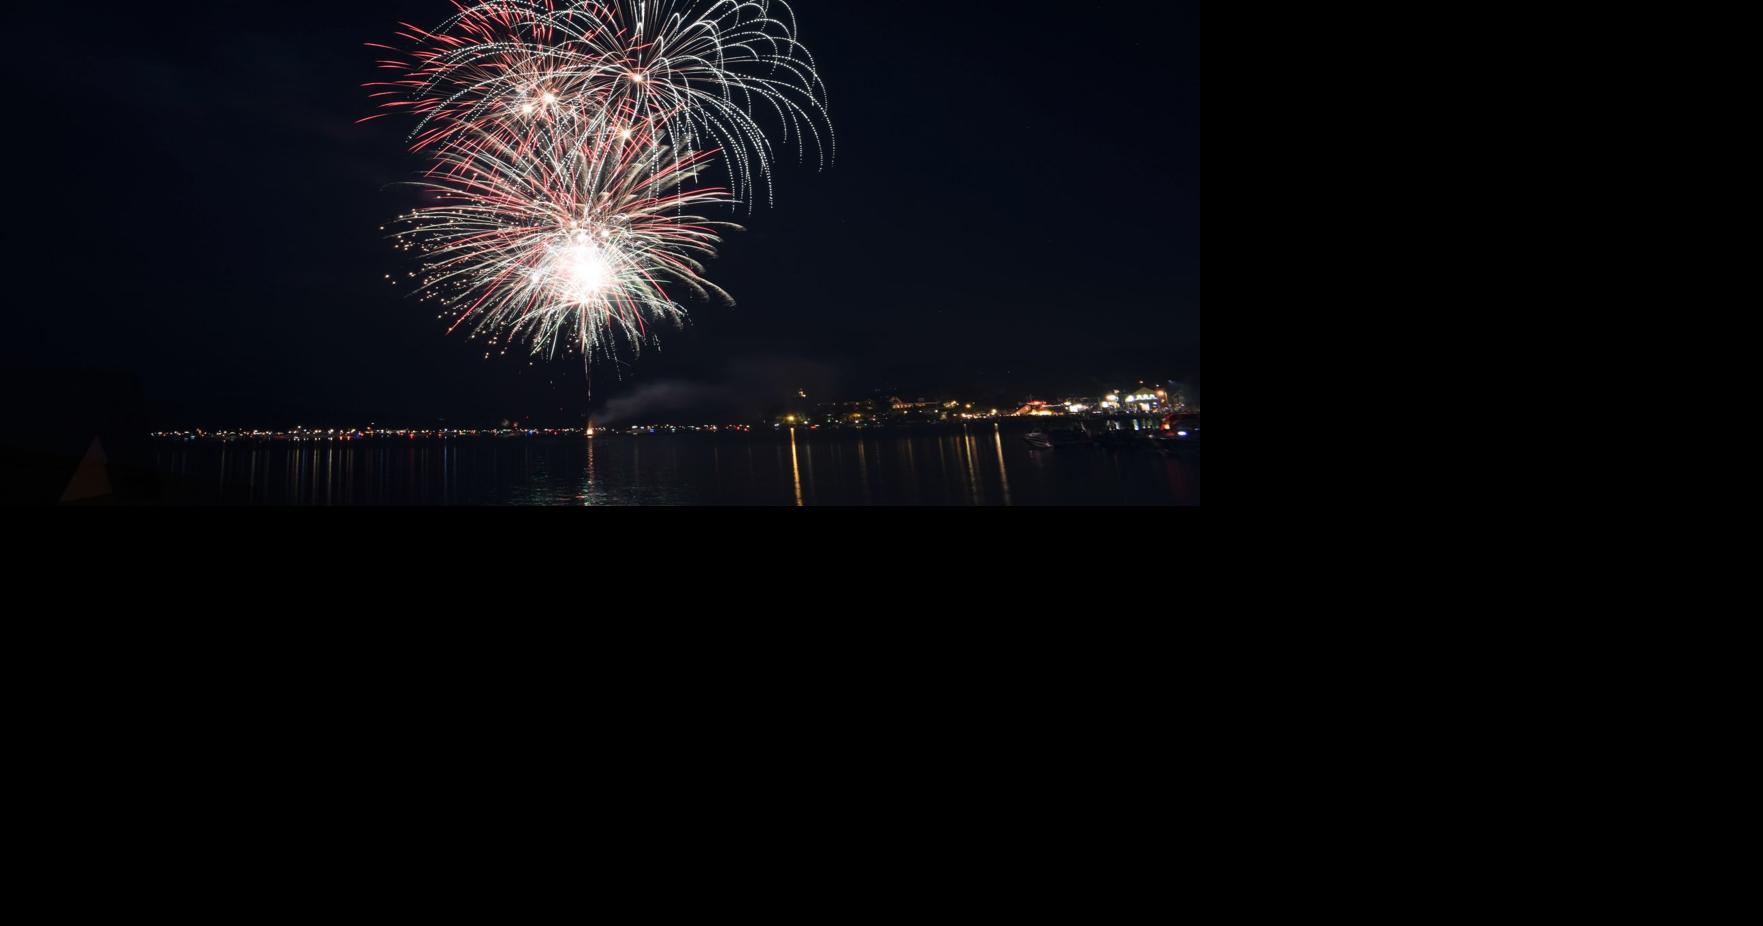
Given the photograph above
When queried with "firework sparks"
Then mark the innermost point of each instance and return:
(570, 144)
(694, 74)
(566, 247)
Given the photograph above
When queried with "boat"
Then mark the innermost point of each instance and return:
(1058, 437)
(1180, 435)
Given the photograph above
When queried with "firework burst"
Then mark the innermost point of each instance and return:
(694, 74)
(571, 145)
(564, 246)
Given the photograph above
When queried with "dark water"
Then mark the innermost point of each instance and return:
(974, 465)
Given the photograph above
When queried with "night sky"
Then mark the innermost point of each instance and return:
(1014, 207)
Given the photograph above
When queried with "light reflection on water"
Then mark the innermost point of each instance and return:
(796, 468)
(966, 466)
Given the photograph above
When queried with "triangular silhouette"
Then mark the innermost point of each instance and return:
(92, 479)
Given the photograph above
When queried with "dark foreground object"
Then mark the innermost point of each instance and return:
(74, 437)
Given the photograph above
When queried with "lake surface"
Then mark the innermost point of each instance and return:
(975, 465)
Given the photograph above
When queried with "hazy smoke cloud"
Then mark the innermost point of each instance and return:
(749, 390)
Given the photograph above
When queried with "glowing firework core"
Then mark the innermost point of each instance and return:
(582, 271)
